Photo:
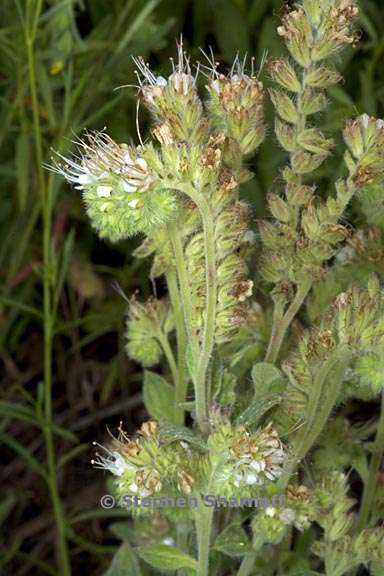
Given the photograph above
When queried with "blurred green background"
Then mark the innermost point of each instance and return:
(64, 373)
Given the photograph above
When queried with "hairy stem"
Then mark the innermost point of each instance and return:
(181, 381)
(203, 520)
(201, 355)
(374, 469)
(321, 403)
(183, 278)
(163, 340)
(210, 312)
(46, 202)
(282, 321)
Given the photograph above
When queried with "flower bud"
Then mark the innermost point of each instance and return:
(284, 74)
(144, 324)
(279, 208)
(284, 106)
(299, 194)
(236, 106)
(312, 102)
(313, 141)
(286, 135)
(303, 162)
(322, 77)
(297, 33)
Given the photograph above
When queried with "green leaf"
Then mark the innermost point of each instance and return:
(267, 379)
(124, 563)
(171, 433)
(159, 397)
(233, 541)
(18, 412)
(164, 557)
(269, 384)
(23, 453)
(121, 530)
(256, 409)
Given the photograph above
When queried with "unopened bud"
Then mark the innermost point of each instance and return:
(284, 106)
(284, 74)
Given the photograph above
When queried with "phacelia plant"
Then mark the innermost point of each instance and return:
(260, 480)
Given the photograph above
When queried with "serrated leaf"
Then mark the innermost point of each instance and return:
(165, 558)
(233, 541)
(124, 563)
(159, 397)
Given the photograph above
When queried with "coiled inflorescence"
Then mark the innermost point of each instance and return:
(122, 192)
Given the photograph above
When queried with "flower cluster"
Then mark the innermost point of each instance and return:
(244, 461)
(305, 235)
(353, 328)
(173, 102)
(143, 466)
(364, 137)
(236, 105)
(147, 324)
(231, 237)
(318, 29)
(122, 192)
(299, 510)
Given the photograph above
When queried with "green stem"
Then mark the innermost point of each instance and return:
(210, 312)
(321, 403)
(163, 340)
(200, 374)
(181, 382)
(46, 200)
(374, 469)
(247, 564)
(203, 520)
(183, 278)
(282, 321)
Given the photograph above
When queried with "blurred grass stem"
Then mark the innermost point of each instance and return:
(30, 28)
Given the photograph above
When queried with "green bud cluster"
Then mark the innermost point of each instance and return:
(173, 102)
(299, 510)
(147, 324)
(231, 234)
(305, 234)
(334, 506)
(341, 548)
(352, 328)
(236, 106)
(365, 160)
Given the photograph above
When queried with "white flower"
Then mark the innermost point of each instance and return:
(181, 78)
(168, 541)
(113, 462)
(100, 159)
